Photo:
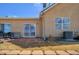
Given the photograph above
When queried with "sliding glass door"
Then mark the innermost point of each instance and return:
(29, 30)
(1, 27)
(5, 28)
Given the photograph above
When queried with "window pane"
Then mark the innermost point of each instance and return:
(58, 20)
(58, 26)
(27, 28)
(65, 26)
(1, 27)
(7, 28)
(66, 20)
(32, 33)
(32, 28)
(26, 34)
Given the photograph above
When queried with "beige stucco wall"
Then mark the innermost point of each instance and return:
(60, 10)
(18, 25)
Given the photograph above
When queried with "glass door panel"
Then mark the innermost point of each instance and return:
(1, 27)
(26, 32)
(32, 30)
(7, 28)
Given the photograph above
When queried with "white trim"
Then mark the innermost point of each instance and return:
(62, 18)
(46, 9)
(24, 29)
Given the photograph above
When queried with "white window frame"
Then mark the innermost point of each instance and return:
(62, 24)
(30, 32)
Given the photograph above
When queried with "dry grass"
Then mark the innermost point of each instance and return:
(40, 45)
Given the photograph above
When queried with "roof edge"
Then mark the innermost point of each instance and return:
(46, 9)
(17, 18)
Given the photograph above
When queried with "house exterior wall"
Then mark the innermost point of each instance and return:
(18, 25)
(60, 10)
(45, 25)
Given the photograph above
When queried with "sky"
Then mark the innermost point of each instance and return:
(25, 10)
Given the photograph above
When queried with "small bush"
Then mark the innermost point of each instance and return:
(1, 41)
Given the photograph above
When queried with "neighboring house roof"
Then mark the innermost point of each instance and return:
(46, 9)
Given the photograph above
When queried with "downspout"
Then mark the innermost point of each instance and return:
(44, 37)
(44, 31)
(43, 26)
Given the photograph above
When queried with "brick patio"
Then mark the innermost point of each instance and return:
(38, 52)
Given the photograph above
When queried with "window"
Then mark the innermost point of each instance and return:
(29, 30)
(7, 28)
(58, 23)
(66, 23)
(1, 27)
(62, 23)
(58, 20)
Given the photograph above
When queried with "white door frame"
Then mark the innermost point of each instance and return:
(24, 29)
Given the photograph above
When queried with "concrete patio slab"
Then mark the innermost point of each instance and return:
(72, 52)
(61, 52)
(49, 52)
(26, 52)
(37, 52)
(4, 52)
(14, 52)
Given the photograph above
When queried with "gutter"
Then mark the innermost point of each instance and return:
(46, 9)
